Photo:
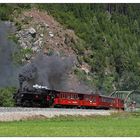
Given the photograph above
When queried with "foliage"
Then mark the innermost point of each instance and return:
(111, 32)
(18, 56)
(14, 38)
(6, 96)
(7, 10)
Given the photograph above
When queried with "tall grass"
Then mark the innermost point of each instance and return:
(122, 124)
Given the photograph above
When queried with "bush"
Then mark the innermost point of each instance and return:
(14, 38)
(6, 96)
(21, 54)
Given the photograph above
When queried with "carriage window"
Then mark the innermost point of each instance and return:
(109, 100)
(91, 97)
(57, 95)
(76, 96)
(94, 99)
(72, 96)
(80, 96)
(87, 98)
(68, 96)
(63, 96)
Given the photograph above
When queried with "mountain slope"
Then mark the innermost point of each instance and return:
(111, 33)
(107, 47)
(41, 33)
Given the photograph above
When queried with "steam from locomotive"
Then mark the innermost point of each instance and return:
(8, 70)
(51, 71)
(54, 72)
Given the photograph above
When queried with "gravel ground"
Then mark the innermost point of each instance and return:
(17, 113)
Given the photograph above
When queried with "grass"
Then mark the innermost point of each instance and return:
(122, 124)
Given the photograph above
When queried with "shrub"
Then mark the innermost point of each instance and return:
(6, 96)
(20, 55)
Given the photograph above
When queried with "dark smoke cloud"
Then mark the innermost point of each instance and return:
(53, 72)
(50, 71)
(8, 71)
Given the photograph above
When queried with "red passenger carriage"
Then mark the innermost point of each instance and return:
(87, 100)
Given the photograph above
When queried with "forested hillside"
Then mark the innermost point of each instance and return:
(110, 34)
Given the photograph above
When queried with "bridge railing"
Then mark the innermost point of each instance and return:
(130, 98)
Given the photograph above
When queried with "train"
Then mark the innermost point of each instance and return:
(44, 97)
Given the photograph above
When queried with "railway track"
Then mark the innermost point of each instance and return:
(18, 113)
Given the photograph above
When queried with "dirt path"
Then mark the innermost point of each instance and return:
(11, 114)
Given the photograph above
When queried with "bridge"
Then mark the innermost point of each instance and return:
(128, 97)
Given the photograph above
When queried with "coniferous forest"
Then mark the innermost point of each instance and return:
(111, 33)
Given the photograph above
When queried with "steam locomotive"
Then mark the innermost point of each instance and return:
(41, 96)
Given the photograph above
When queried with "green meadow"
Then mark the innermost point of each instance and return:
(121, 124)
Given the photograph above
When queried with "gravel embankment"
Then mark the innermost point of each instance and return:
(14, 113)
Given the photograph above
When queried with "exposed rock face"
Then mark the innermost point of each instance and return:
(51, 34)
(32, 31)
(29, 38)
(41, 33)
